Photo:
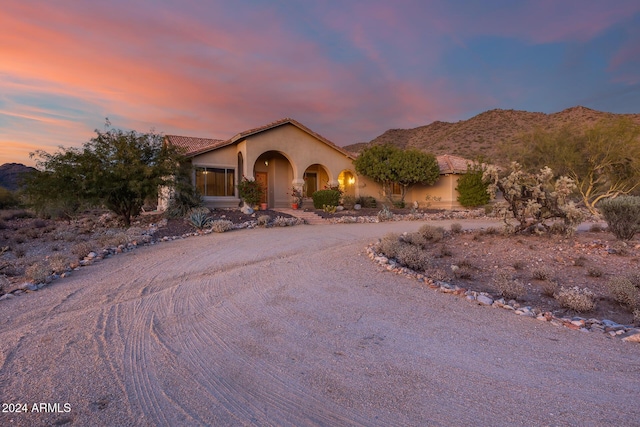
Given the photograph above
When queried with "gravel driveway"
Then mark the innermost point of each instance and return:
(290, 327)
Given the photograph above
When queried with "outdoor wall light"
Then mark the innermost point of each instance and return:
(352, 181)
(266, 162)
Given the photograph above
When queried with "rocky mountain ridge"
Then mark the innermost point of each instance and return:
(488, 132)
(11, 175)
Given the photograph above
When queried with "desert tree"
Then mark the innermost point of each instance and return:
(388, 165)
(118, 169)
(603, 161)
(472, 189)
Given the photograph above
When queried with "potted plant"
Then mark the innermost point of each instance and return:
(296, 195)
(250, 191)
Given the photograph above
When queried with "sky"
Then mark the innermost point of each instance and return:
(347, 69)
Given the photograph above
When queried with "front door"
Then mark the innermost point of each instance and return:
(262, 178)
(311, 183)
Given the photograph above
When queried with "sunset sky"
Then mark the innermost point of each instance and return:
(348, 70)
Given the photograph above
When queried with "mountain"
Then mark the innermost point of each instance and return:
(488, 132)
(11, 175)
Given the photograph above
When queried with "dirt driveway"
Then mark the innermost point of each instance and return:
(293, 326)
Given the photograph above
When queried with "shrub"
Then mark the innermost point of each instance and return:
(456, 228)
(366, 202)
(199, 220)
(472, 190)
(8, 199)
(263, 220)
(634, 278)
(250, 191)
(385, 214)
(508, 286)
(4, 284)
(596, 228)
(329, 208)
(281, 221)
(399, 204)
(325, 197)
(576, 299)
(623, 291)
(594, 272)
(542, 273)
(580, 261)
(82, 249)
(622, 215)
(182, 202)
(431, 233)
(59, 263)
(519, 265)
(549, 288)
(221, 225)
(414, 238)
(413, 257)
(444, 252)
(37, 272)
(114, 239)
(389, 245)
(348, 202)
(20, 252)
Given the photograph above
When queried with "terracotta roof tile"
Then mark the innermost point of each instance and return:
(452, 164)
(192, 145)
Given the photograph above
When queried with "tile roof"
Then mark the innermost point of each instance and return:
(195, 146)
(192, 145)
(452, 164)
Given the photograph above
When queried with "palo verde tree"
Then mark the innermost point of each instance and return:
(387, 164)
(118, 169)
(603, 161)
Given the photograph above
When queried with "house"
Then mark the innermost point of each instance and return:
(286, 154)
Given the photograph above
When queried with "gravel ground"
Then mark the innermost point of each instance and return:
(294, 326)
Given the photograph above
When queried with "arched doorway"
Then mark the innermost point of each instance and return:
(273, 170)
(315, 178)
(347, 182)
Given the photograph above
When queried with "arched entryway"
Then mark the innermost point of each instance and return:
(274, 171)
(316, 177)
(347, 182)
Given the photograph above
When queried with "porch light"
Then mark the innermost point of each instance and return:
(352, 181)
(266, 162)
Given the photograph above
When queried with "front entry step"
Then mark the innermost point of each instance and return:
(309, 217)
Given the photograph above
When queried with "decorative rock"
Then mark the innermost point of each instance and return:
(246, 209)
(357, 207)
(339, 208)
(484, 300)
(92, 255)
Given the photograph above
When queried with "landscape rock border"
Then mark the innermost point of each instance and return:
(612, 329)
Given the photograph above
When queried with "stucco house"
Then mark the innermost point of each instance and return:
(286, 154)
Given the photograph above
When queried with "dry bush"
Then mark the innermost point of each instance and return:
(576, 299)
(20, 252)
(634, 278)
(456, 228)
(59, 263)
(413, 257)
(444, 251)
(519, 265)
(549, 288)
(221, 225)
(594, 272)
(580, 261)
(113, 239)
(438, 274)
(431, 233)
(542, 273)
(596, 228)
(82, 249)
(415, 238)
(4, 284)
(281, 221)
(636, 316)
(263, 220)
(37, 272)
(623, 291)
(463, 273)
(389, 245)
(508, 286)
(465, 263)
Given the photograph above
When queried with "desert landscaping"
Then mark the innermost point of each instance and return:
(214, 329)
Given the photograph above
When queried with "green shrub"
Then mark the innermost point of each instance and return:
(472, 190)
(325, 197)
(250, 191)
(366, 202)
(183, 202)
(8, 199)
(622, 215)
(329, 208)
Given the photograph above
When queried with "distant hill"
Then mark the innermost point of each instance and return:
(487, 132)
(11, 175)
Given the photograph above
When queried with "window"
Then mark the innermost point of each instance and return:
(396, 189)
(215, 181)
